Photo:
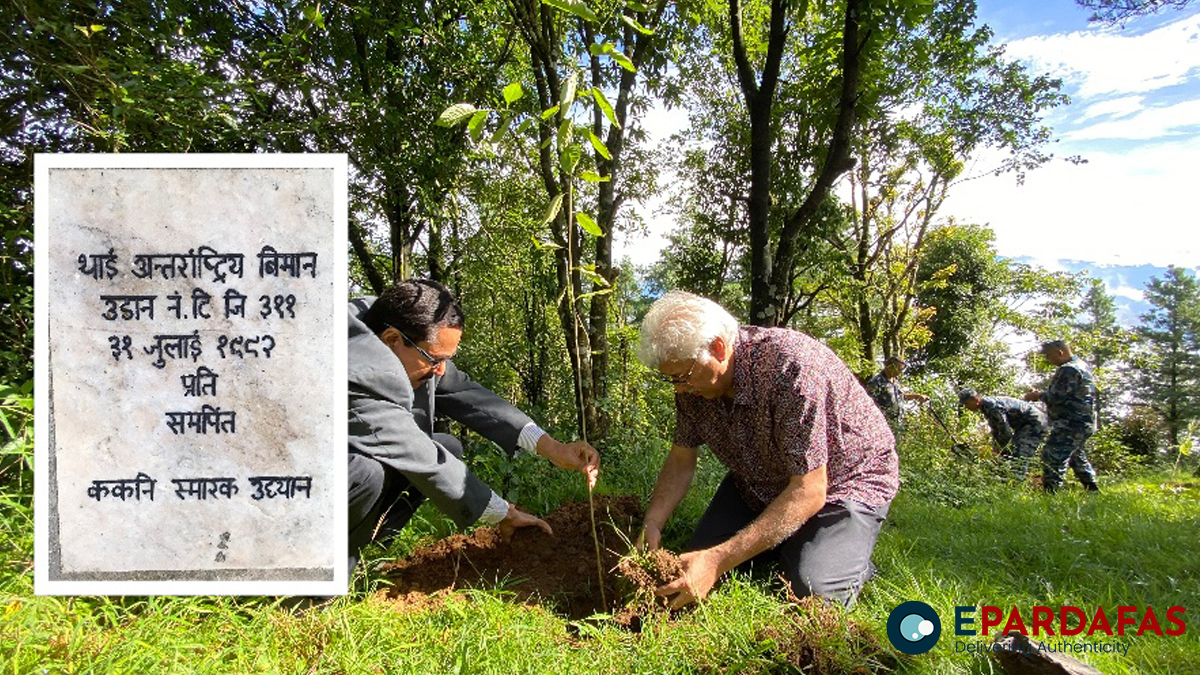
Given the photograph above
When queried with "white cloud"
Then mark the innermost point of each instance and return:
(1109, 61)
(1117, 107)
(1127, 292)
(1119, 208)
(1148, 124)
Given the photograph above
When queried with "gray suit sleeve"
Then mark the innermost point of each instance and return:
(465, 400)
(386, 431)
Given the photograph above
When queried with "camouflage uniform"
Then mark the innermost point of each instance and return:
(1018, 428)
(888, 396)
(1070, 401)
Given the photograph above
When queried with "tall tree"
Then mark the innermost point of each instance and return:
(1099, 338)
(771, 266)
(1170, 331)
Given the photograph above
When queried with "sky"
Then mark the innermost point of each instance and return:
(1134, 116)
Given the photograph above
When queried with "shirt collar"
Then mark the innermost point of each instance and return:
(743, 371)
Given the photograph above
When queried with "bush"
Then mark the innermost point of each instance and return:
(1142, 431)
(1110, 454)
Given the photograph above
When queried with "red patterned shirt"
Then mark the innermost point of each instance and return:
(796, 407)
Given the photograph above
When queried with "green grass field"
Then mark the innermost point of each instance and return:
(953, 539)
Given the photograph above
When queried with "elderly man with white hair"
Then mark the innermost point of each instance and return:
(811, 461)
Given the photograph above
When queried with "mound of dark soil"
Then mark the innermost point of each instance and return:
(559, 570)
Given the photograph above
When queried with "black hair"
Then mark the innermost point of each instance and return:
(1054, 345)
(418, 308)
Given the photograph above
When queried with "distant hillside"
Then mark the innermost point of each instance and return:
(1125, 283)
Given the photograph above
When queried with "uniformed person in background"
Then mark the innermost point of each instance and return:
(1018, 427)
(885, 389)
(1071, 404)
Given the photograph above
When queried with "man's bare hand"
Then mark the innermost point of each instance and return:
(701, 569)
(576, 456)
(1033, 395)
(517, 518)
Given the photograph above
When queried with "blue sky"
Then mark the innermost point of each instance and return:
(1134, 115)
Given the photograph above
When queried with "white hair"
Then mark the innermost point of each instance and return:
(681, 326)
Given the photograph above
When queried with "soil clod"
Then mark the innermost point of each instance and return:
(558, 571)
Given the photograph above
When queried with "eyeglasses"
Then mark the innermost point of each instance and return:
(433, 362)
(679, 379)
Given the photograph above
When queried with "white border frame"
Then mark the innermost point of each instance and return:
(43, 163)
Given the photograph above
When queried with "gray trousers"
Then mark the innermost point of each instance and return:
(1065, 447)
(1021, 450)
(829, 556)
(382, 500)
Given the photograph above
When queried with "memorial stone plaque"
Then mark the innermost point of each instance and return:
(191, 385)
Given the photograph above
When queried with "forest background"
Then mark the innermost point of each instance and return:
(501, 148)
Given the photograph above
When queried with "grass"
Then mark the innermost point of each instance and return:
(951, 539)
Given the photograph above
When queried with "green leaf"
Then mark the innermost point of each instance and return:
(586, 222)
(565, 133)
(600, 49)
(589, 271)
(623, 61)
(525, 125)
(633, 23)
(590, 294)
(599, 146)
(549, 112)
(566, 94)
(476, 125)
(569, 159)
(501, 128)
(513, 93)
(313, 14)
(638, 6)
(576, 7)
(593, 177)
(455, 115)
(544, 245)
(552, 209)
(605, 107)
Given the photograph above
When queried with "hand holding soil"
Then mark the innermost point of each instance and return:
(517, 518)
(701, 569)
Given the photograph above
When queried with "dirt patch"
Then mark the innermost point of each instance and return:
(557, 571)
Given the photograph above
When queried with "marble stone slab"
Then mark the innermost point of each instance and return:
(191, 392)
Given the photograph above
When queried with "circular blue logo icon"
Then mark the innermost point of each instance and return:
(913, 627)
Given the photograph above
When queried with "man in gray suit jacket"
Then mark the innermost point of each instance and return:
(400, 372)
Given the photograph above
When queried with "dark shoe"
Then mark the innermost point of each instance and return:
(1091, 487)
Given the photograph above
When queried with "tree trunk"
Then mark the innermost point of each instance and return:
(759, 97)
(365, 257)
(837, 162)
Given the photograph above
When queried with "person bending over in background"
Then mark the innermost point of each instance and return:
(812, 465)
(1018, 427)
(889, 396)
(400, 372)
